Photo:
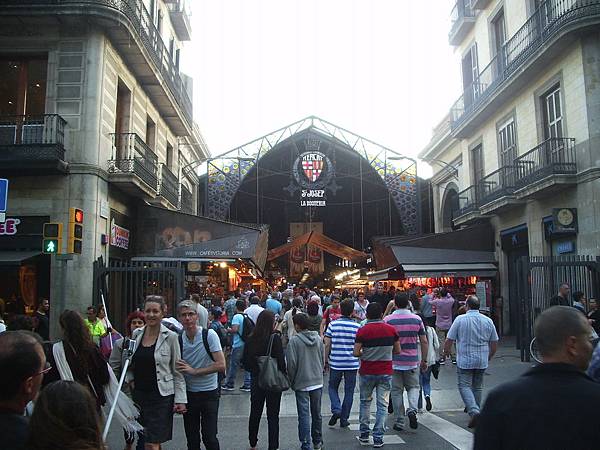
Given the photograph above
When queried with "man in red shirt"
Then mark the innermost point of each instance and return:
(375, 344)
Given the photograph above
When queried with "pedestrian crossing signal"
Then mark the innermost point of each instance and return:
(75, 231)
(52, 241)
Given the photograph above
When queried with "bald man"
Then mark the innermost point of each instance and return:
(554, 405)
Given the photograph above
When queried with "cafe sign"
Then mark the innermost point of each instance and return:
(9, 227)
(119, 236)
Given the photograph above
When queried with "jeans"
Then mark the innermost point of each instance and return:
(425, 378)
(335, 378)
(382, 384)
(470, 386)
(442, 338)
(401, 380)
(308, 404)
(234, 363)
(202, 410)
(258, 397)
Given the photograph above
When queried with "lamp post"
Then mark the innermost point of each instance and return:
(453, 169)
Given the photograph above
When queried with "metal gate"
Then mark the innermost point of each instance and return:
(125, 284)
(539, 279)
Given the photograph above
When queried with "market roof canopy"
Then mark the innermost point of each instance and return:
(321, 241)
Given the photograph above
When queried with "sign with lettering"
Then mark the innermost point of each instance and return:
(119, 236)
(3, 198)
(9, 227)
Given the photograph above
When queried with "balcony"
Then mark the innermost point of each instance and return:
(496, 190)
(168, 188)
(32, 144)
(468, 206)
(480, 4)
(462, 18)
(186, 201)
(546, 168)
(131, 30)
(133, 167)
(180, 19)
(520, 58)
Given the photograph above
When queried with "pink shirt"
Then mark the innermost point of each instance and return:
(443, 312)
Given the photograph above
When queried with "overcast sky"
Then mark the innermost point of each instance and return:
(382, 69)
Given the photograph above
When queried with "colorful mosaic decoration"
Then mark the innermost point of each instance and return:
(399, 173)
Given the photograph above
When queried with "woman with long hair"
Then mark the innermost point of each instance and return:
(158, 388)
(256, 346)
(135, 321)
(65, 417)
(76, 358)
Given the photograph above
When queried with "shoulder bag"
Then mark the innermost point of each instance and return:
(270, 378)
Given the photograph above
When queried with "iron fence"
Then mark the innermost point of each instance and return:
(169, 185)
(497, 184)
(186, 201)
(131, 155)
(468, 201)
(552, 157)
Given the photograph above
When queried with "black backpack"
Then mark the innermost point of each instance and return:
(247, 328)
(204, 341)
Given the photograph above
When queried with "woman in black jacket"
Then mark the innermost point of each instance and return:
(257, 345)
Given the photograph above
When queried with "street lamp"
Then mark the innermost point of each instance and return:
(453, 170)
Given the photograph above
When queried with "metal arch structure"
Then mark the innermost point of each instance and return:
(226, 173)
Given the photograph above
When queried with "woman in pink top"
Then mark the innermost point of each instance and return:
(443, 313)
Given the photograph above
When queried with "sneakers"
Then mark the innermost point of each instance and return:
(363, 440)
(398, 427)
(442, 361)
(318, 446)
(344, 423)
(377, 444)
(412, 419)
(428, 403)
(245, 389)
(227, 388)
(333, 420)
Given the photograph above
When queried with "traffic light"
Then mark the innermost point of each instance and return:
(52, 242)
(75, 236)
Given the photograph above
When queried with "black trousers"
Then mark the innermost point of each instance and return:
(202, 410)
(258, 397)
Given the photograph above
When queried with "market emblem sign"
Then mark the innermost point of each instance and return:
(313, 172)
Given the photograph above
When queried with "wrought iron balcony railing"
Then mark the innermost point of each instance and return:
(180, 19)
(497, 184)
(468, 201)
(555, 156)
(132, 156)
(546, 22)
(32, 137)
(142, 24)
(461, 10)
(186, 203)
(169, 185)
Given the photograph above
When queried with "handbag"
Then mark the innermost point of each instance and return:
(270, 378)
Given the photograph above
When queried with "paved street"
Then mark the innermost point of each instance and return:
(444, 428)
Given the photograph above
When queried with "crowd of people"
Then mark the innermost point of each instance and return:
(56, 394)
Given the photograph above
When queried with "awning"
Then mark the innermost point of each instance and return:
(486, 270)
(15, 258)
(321, 241)
(433, 270)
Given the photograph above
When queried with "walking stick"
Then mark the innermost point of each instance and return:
(107, 319)
(130, 349)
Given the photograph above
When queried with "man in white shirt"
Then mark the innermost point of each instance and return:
(201, 310)
(254, 309)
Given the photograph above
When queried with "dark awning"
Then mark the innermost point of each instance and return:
(16, 258)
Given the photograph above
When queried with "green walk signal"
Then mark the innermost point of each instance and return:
(50, 246)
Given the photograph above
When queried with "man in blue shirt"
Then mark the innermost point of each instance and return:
(237, 349)
(273, 305)
(477, 342)
(200, 370)
(340, 337)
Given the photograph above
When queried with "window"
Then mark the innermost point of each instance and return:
(507, 143)
(150, 133)
(23, 86)
(170, 157)
(552, 110)
(477, 164)
(470, 72)
(498, 40)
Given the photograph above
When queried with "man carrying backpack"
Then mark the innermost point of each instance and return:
(241, 327)
(201, 360)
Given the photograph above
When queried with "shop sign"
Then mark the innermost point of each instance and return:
(564, 220)
(3, 198)
(565, 247)
(9, 227)
(119, 236)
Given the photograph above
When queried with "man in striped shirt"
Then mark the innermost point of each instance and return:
(375, 343)
(339, 345)
(411, 332)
